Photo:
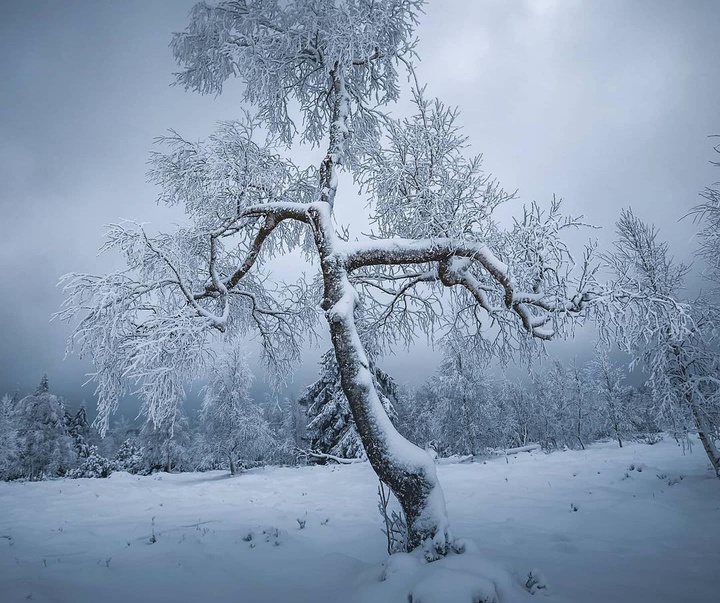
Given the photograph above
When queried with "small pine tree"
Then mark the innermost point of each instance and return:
(119, 432)
(129, 457)
(79, 430)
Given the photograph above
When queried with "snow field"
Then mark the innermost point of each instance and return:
(636, 524)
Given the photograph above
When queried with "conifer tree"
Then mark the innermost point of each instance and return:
(331, 428)
(45, 446)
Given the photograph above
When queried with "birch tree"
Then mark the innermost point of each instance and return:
(321, 72)
(674, 341)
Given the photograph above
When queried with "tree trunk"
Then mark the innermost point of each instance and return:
(233, 469)
(706, 438)
(704, 431)
(408, 470)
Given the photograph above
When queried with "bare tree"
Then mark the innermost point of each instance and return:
(333, 66)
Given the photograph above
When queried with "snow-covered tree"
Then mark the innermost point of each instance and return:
(94, 465)
(45, 447)
(520, 405)
(120, 431)
(9, 444)
(129, 457)
(165, 445)
(286, 419)
(552, 392)
(331, 427)
(416, 410)
(465, 405)
(672, 340)
(233, 424)
(648, 422)
(79, 430)
(707, 213)
(615, 398)
(583, 409)
(458, 389)
(321, 72)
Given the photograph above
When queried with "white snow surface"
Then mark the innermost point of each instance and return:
(646, 528)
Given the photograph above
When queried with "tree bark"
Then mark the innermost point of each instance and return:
(405, 468)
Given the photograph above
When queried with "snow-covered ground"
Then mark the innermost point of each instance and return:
(638, 524)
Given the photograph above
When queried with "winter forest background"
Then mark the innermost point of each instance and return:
(458, 411)
(336, 280)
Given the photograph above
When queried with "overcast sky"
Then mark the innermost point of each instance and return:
(606, 103)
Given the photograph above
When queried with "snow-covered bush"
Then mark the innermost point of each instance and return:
(94, 465)
(395, 529)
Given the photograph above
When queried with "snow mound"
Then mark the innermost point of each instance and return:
(462, 577)
(452, 586)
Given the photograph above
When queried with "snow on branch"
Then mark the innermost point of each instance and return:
(290, 52)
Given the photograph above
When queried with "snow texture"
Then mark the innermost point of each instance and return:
(636, 536)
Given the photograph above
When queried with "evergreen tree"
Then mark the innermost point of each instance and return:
(45, 447)
(129, 457)
(79, 430)
(331, 428)
(94, 465)
(120, 432)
